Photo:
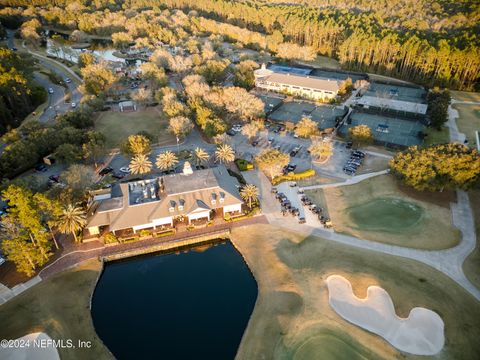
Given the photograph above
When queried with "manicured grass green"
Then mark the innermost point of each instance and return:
(386, 214)
(117, 126)
(58, 306)
(328, 345)
(415, 219)
(435, 136)
(292, 308)
(468, 120)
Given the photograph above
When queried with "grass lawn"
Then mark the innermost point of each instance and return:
(60, 307)
(468, 120)
(437, 137)
(379, 209)
(292, 318)
(324, 61)
(465, 95)
(117, 126)
(471, 266)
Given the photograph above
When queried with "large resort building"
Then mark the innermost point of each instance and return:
(162, 202)
(296, 83)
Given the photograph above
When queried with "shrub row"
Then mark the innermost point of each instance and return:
(293, 176)
(243, 165)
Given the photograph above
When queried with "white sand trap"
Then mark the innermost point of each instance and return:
(31, 352)
(420, 334)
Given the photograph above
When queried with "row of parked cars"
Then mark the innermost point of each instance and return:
(354, 162)
(286, 206)
(324, 220)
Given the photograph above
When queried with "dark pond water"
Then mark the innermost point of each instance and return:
(194, 305)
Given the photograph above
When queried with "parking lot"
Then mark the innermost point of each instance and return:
(286, 142)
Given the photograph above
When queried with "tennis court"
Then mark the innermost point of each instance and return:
(270, 103)
(387, 130)
(396, 92)
(293, 112)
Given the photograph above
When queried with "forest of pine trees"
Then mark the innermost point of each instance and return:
(426, 41)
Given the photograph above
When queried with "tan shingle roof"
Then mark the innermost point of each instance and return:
(193, 192)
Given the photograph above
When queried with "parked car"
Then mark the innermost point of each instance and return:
(300, 191)
(125, 169)
(74, 105)
(301, 220)
(40, 167)
(68, 80)
(55, 178)
(270, 140)
(231, 132)
(349, 145)
(2, 260)
(105, 171)
(118, 175)
(50, 90)
(237, 127)
(274, 190)
(254, 142)
(293, 184)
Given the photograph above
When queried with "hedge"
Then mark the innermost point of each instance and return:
(243, 165)
(239, 177)
(293, 176)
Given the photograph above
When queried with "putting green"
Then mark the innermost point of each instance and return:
(328, 346)
(385, 214)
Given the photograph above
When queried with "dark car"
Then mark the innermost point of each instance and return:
(349, 145)
(301, 220)
(105, 171)
(254, 142)
(40, 167)
(55, 178)
(118, 175)
(293, 153)
(231, 132)
(274, 190)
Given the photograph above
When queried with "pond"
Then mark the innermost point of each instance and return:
(194, 305)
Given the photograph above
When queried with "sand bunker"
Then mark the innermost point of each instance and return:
(31, 352)
(420, 334)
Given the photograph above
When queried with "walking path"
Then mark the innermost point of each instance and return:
(353, 180)
(448, 261)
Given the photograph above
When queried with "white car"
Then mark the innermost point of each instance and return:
(74, 105)
(50, 90)
(125, 169)
(237, 128)
(2, 260)
(67, 80)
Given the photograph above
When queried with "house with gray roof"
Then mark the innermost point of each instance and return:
(311, 87)
(160, 202)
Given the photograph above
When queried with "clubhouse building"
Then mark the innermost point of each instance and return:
(189, 197)
(297, 83)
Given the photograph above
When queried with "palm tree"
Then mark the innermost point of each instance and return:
(72, 220)
(249, 193)
(140, 165)
(225, 154)
(201, 156)
(166, 160)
